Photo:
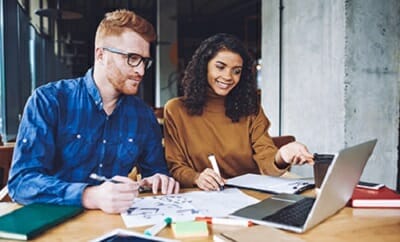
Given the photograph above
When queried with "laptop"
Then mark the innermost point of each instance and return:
(299, 213)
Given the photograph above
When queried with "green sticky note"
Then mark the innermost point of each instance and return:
(190, 229)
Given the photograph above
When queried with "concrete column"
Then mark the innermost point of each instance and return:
(339, 77)
(372, 83)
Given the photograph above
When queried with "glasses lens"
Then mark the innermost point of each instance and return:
(134, 60)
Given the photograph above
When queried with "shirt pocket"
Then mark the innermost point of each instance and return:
(76, 149)
(129, 153)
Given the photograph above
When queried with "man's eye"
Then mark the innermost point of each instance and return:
(135, 58)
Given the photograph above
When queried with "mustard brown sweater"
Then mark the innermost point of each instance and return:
(241, 147)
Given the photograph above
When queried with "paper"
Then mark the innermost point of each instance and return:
(185, 207)
(151, 210)
(271, 184)
(220, 203)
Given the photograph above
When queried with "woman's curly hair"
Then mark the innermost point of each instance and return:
(242, 100)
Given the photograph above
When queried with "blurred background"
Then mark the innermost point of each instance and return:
(328, 71)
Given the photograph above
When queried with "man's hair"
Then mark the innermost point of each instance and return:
(114, 23)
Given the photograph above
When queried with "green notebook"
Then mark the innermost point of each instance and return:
(29, 221)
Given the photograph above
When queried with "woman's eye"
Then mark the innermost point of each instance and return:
(237, 71)
(219, 67)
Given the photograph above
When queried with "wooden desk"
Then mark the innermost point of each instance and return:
(347, 225)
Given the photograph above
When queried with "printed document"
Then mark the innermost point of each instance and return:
(271, 184)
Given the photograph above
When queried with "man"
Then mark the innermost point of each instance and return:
(93, 124)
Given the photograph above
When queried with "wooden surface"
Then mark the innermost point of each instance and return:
(347, 225)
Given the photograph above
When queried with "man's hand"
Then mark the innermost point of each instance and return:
(111, 197)
(167, 184)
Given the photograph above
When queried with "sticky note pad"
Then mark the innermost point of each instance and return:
(189, 229)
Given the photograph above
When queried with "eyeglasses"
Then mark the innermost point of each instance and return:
(133, 59)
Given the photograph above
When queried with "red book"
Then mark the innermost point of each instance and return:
(368, 198)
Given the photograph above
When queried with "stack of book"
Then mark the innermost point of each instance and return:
(383, 197)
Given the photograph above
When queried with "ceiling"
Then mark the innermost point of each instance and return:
(77, 21)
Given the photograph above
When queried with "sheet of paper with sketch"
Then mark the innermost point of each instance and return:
(185, 207)
(150, 210)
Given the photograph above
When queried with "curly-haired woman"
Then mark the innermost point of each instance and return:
(220, 114)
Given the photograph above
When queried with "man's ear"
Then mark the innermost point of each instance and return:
(98, 54)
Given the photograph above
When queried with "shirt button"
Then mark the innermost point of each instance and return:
(107, 118)
(78, 136)
(101, 165)
(24, 140)
(104, 141)
(130, 140)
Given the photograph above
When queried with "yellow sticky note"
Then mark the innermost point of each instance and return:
(189, 229)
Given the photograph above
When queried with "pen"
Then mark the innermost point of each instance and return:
(225, 221)
(215, 167)
(158, 227)
(94, 176)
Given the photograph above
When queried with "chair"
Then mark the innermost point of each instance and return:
(6, 153)
(280, 141)
(159, 112)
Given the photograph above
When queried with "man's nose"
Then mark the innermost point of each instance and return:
(140, 69)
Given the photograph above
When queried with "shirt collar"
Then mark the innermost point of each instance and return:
(92, 89)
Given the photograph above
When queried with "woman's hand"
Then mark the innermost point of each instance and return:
(209, 180)
(293, 153)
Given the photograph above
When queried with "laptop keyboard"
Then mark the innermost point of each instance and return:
(294, 214)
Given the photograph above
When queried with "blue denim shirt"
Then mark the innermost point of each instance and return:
(65, 135)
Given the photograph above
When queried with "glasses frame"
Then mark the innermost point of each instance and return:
(147, 61)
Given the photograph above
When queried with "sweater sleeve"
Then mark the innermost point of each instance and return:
(174, 148)
(263, 146)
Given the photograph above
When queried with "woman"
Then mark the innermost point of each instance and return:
(220, 114)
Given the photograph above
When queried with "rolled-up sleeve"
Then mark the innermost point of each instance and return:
(31, 179)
